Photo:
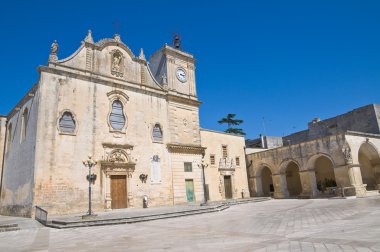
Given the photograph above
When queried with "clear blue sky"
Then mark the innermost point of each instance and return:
(276, 64)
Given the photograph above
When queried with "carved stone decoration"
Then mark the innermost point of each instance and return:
(347, 154)
(117, 63)
(117, 156)
(53, 52)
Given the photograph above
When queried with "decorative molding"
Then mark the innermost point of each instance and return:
(117, 146)
(118, 93)
(181, 148)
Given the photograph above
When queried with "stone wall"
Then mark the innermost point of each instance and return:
(363, 119)
(19, 162)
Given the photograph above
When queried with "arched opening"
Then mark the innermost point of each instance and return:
(324, 174)
(369, 161)
(267, 182)
(293, 179)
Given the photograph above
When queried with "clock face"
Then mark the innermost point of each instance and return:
(181, 75)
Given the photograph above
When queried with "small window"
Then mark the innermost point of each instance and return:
(117, 118)
(224, 150)
(188, 167)
(67, 123)
(212, 159)
(24, 124)
(157, 133)
(9, 137)
(237, 161)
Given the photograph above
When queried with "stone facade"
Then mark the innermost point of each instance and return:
(139, 120)
(220, 169)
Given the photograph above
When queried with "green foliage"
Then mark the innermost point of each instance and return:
(231, 121)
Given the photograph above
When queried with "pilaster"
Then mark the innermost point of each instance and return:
(280, 188)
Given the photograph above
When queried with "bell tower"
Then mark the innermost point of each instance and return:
(175, 69)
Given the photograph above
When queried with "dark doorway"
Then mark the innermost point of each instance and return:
(228, 187)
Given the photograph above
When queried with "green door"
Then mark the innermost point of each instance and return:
(190, 190)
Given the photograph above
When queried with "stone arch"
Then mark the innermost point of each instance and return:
(264, 180)
(323, 166)
(369, 160)
(291, 168)
(284, 164)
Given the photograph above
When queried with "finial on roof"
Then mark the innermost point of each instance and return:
(117, 37)
(142, 55)
(176, 40)
(89, 38)
(53, 52)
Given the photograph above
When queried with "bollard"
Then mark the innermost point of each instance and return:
(145, 201)
(242, 193)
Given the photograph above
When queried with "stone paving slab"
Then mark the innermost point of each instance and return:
(275, 225)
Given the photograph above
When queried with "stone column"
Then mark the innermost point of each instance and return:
(356, 180)
(258, 186)
(108, 192)
(308, 183)
(280, 187)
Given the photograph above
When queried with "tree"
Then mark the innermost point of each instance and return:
(230, 122)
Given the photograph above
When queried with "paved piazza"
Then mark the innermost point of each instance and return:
(275, 225)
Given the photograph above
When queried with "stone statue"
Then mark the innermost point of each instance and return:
(53, 52)
(54, 48)
(347, 154)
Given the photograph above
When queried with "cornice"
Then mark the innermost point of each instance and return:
(95, 77)
(183, 100)
(183, 148)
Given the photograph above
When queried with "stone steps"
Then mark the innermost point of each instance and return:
(9, 227)
(128, 220)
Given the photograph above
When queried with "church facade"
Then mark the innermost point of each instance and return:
(138, 119)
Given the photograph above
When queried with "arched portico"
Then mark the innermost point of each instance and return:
(293, 180)
(264, 181)
(369, 160)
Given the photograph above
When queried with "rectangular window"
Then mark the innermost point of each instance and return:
(224, 151)
(212, 159)
(188, 166)
(237, 161)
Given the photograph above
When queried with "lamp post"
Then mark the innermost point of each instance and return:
(203, 165)
(91, 178)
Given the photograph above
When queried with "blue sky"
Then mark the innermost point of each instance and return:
(276, 64)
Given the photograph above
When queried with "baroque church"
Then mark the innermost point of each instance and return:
(137, 120)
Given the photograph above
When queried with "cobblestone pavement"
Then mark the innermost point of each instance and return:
(276, 225)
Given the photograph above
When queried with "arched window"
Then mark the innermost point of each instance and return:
(9, 137)
(117, 118)
(24, 125)
(67, 123)
(157, 133)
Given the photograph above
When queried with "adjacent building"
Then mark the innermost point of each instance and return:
(340, 154)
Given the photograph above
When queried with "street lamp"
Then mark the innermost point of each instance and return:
(91, 178)
(203, 165)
